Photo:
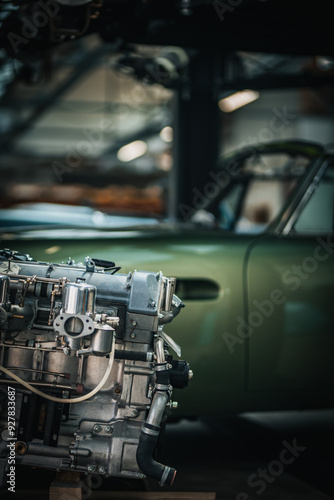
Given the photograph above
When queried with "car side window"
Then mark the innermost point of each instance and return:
(318, 214)
(262, 203)
(227, 207)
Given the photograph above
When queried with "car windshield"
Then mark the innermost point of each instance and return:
(254, 189)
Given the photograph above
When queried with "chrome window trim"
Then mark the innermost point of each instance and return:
(305, 192)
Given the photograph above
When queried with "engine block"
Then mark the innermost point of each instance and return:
(84, 349)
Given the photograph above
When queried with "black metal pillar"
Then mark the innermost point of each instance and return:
(197, 130)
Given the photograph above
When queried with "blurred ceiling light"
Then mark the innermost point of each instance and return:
(166, 134)
(324, 63)
(52, 250)
(132, 151)
(237, 100)
(166, 161)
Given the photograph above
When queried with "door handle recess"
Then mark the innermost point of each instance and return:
(197, 289)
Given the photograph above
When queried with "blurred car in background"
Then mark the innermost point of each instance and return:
(254, 263)
(31, 215)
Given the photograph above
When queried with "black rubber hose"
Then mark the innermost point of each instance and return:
(131, 355)
(148, 465)
(162, 376)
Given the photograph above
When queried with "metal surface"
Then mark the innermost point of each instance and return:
(156, 412)
(304, 197)
(4, 289)
(101, 340)
(79, 298)
(170, 289)
(101, 432)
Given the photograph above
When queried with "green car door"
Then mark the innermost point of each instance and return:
(289, 322)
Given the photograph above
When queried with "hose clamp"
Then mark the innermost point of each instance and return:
(150, 432)
(164, 475)
(161, 387)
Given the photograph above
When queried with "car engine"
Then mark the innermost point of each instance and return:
(85, 373)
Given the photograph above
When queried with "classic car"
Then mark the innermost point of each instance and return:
(253, 258)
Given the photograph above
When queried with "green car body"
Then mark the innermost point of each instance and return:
(258, 326)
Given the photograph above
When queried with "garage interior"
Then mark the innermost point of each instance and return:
(55, 97)
(99, 119)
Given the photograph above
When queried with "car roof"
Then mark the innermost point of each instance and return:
(293, 147)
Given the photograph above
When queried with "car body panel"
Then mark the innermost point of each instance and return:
(290, 295)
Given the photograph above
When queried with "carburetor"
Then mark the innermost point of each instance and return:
(83, 349)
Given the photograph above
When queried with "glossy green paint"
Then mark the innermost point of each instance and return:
(292, 347)
(235, 370)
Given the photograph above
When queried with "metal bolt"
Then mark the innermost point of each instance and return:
(102, 470)
(173, 404)
(38, 346)
(133, 335)
(97, 428)
(91, 468)
(134, 322)
(134, 413)
(109, 429)
(20, 448)
(153, 303)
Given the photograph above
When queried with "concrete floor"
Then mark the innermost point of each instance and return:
(226, 456)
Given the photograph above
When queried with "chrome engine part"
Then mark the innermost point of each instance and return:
(84, 352)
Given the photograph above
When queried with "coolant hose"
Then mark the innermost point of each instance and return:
(147, 464)
(151, 429)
